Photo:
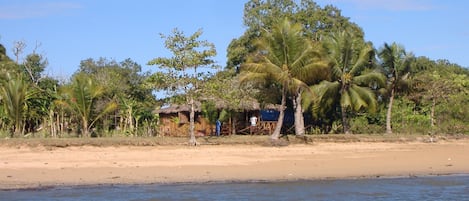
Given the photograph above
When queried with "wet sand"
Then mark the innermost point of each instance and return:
(37, 167)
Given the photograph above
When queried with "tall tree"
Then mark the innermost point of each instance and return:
(189, 54)
(33, 66)
(351, 78)
(396, 63)
(436, 87)
(18, 49)
(291, 60)
(258, 15)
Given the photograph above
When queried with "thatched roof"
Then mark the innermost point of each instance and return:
(243, 105)
(175, 109)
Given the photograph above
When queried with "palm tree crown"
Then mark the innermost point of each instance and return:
(289, 59)
(351, 76)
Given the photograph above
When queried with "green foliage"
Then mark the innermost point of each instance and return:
(33, 66)
(124, 84)
(436, 103)
(15, 95)
(210, 111)
(396, 63)
(79, 97)
(224, 115)
(316, 22)
(288, 59)
(410, 118)
(336, 128)
(186, 52)
(352, 80)
(189, 53)
(451, 112)
(397, 66)
(362, 125)
(7, 66)
(282, 50)
(121, 79)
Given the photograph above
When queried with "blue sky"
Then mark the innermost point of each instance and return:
(73, 30)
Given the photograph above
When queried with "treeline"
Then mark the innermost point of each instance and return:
(102, 98)
(302, 58)
(346, 84)
(320, 65)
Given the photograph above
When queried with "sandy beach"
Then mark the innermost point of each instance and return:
(31, 167)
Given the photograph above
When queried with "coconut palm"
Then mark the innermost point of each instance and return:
(396, 63)
(351, 78)
(290, 60)
(80, 98)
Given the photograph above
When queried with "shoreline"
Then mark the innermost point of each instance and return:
(40, 167)
(369, 177)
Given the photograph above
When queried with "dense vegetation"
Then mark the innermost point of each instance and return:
(304, 58)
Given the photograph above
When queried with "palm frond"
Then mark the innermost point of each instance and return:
(370, 78)
(358, 102)
(365, 98)
(110, 107)
(362, 60)
(247, 76)
(345, 100)
(297, 84)
(266, 66)
(313, 73)
(325, 93)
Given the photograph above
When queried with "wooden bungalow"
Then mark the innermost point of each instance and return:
(174, 120)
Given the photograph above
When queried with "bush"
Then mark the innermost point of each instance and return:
(361, 125)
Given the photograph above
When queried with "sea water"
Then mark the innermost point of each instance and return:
(455, 187)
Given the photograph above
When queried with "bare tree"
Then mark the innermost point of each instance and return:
(18, 48)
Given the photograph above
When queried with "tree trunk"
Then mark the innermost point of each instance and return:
(122, 124)
(53, 131)
(343, 112)
(278, 128)
(299, 119)
(233, 121)
(59, 124)
(137, 119)
(85, 132)
(192, 141)
(17, 131)
(131, 121)
(432, 114)
(344, 120)
(389, 113)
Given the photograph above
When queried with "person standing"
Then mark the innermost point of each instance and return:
(218, 127)
(253, 121)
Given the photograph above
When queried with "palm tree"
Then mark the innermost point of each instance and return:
(15, 94)
(289, 59)
(396, 63)
(80, 98)
(351, 78)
